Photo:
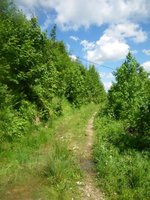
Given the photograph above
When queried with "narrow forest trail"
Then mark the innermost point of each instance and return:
(88, 188)
(73, 132)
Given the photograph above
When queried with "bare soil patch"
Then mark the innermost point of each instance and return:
(89, 190)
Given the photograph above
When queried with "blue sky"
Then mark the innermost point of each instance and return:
(101, 31)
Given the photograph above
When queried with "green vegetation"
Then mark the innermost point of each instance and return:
(122, 144)
(122, 169)
(37, 74)
(43, 163)
(46, 100)
(129, 97)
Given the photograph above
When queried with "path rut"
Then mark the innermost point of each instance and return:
(88, 188)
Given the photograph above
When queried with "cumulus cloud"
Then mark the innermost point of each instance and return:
(73, 57)
(72, 14)
(127, 30)
(106, 78)
(146, 51)
(146, 66)
(112, 45)
(107, 75)
(87, 45)
(108, 48)
(74, 38)
(107, 85)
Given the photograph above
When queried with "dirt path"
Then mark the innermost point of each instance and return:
(88, 188)
(28, 183)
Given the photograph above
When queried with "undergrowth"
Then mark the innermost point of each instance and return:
(122, 161)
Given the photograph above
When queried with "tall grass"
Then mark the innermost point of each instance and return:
(122, 168)
(61, 172)
(42, 164)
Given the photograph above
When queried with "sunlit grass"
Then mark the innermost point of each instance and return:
(42, 164)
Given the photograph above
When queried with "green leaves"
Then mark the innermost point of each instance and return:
(37, 71)
(129, 96)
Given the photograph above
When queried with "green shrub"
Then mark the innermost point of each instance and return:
(123, 170)
(12, 125)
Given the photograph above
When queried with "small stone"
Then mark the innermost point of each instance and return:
(79, 183)
(88, 195)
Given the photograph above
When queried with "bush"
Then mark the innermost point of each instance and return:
(12, 126)
(123, 171)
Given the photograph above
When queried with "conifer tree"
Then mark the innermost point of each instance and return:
(129, 97)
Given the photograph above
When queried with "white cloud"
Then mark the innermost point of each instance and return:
(108, 47)
(72, 14)
(112, 45)
(146, 51)
(107, 75)
(73, 57)
(107, 85)
(87, 45)
(106, 78)
(127, 30)
(74, 38)
(146, 66)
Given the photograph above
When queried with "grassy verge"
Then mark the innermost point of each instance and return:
(122, 166)
(43, 163)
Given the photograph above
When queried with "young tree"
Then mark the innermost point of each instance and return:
(96, 88)
(129, 96)
(53, 33)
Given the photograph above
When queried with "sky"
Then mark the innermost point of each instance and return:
(97, 31)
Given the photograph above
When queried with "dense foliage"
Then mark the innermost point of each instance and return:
(122, 161)
(129, 97)
(36, 74)
(122, 144)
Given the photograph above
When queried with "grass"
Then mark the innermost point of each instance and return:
(122, 168)
(43, 163)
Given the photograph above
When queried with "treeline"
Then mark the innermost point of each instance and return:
(36, 74)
